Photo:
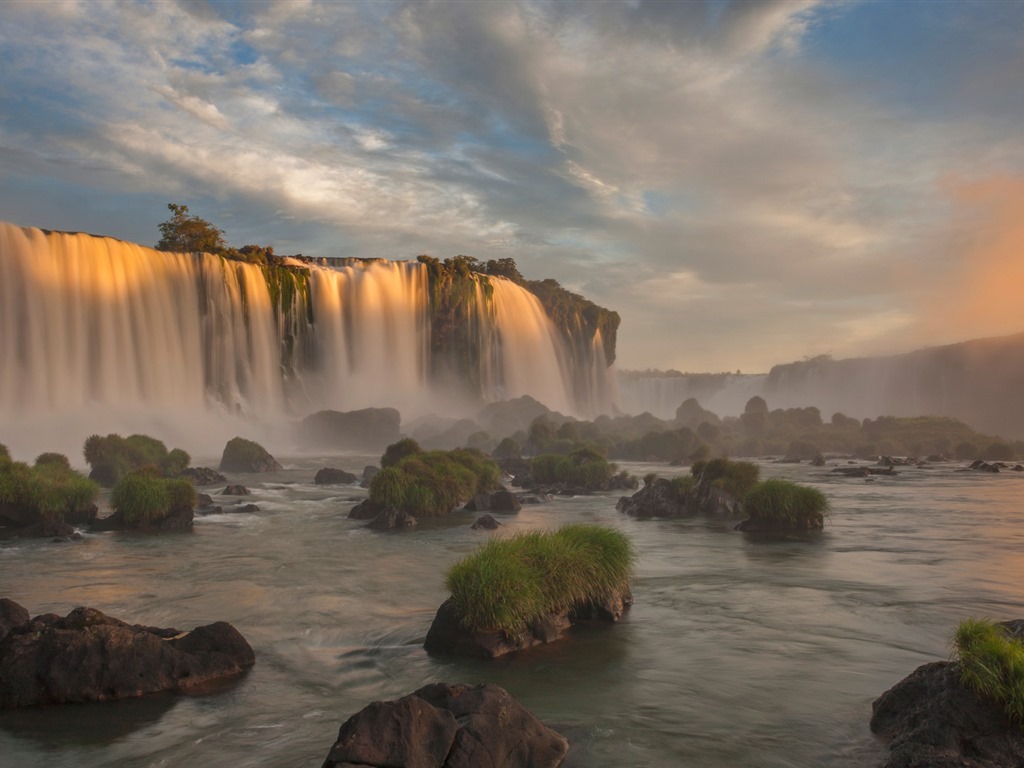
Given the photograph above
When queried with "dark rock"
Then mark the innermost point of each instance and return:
(505, 502)
(534, 498)
(44, 529)
(392, 519)
(331, 476)
(812, 522)
(364, 510)
(175, 520)
(447, 726)
(485, 522)
(12, 616)
(242, 455)
(368, 474)
(931, 719)
(203, 475)
(243, 509)
(236, 490)
(447, 636)
(369, 428)
(659, 498)
(818, 461)
(88, 656)
(479, 503)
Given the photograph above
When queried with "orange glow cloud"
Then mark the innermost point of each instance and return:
(985, 295)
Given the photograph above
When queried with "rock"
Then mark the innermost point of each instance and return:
(369, 428)
(241, 455)
(447, 636)
(659, 498)
(479, 503)
(818, 461)
(331, 476)
(485, 523)
(203, 475)
(243, 509)
(176, 520)
(392, 519)
(505, 502)
(364, 510)
(88, 656)
(815, 522)
(447, 726)
(931, 719)
(235, 490)
(368, 474)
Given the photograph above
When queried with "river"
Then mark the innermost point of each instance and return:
(737, 652)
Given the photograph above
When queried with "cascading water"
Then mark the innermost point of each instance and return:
(100, 335)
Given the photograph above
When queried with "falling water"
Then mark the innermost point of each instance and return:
(100, 335)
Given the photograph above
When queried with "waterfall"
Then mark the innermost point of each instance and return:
(101, 335)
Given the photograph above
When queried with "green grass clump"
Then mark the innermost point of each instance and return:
(51, 490)
(785, 501)
(433, 483)
(991, 663)
(735, 477)
(510, 582)
(142, 496)
(395, 452)
(683, 485)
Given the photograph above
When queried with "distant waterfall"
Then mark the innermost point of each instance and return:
(93, 325)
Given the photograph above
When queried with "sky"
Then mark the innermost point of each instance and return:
(746, 183)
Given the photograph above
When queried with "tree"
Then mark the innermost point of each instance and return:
(186, 234)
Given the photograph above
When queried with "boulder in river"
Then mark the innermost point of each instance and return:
(88, 656)
(241, 455)
(447, 726)
(332, 476)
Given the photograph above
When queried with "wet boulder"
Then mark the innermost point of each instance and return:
(88, 656)
(485, 523)
(392, 519)
(447, 726)
(932, 719)
(241, 455)
(659, 498)
(235, 490)
(202, 475)
(332, 476)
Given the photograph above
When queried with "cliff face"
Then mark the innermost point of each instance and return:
(980, 382)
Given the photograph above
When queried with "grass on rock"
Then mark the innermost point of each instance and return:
(141, 496)
(991, 663)
(783, 500)
(512, 581)
(433, 483)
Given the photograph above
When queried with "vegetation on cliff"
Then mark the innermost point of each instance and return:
(991, 662)
(511, 582)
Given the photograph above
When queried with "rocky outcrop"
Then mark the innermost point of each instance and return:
(88, 656)
(810, 522)
(502, 501)
(485, 523)
(236, 490)
(366, 429)
(177, 519)
(447, 726)
(241, 455)
(202, 475)
(392, 519)
(931, 719)
(332, 476)
(447, 636)
(660, 498)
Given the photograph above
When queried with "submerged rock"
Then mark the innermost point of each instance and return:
(392, 519)
(485, 523)
(88, 656)
(236, 490)
(447, 726)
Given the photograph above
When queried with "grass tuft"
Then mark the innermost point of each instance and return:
(142, 496)
(512, 581)
(735, 477)
(991, 663)
(785, 501)
(51, 489)
(433, 483)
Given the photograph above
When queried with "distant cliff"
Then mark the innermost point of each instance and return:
(980, 382)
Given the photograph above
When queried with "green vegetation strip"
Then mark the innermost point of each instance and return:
(991, 663)
(431, 483)
(140, 496)
(777, 499)
(512, 581)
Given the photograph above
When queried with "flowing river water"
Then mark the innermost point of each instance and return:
(737, 652)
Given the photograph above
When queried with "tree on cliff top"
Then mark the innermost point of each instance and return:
(183, 233)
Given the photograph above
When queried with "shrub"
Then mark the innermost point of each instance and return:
(53, 460)
(432, 483)
(112, 456)
(5, 455)
(778, 500)
(683, 485)
(510, 582)
(734, 477)
(991, 663)
(395, 452)
(508, 448)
